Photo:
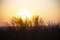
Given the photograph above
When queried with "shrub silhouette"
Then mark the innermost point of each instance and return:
(17, 21)
(33, 22)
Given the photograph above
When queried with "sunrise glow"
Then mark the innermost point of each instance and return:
(47, 9)
(24, 13)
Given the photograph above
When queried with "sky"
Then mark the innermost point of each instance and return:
(47, 9)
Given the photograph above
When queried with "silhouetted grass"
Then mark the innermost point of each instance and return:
(26, 31)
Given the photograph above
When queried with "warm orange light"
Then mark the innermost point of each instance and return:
(24, 13)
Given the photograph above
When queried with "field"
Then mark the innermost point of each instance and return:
(34, 33)
(29, 19)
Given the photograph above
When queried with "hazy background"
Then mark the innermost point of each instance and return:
(47, 9)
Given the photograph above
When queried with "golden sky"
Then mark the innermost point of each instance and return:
(47, 9)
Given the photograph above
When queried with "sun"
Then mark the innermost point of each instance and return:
(25, 13)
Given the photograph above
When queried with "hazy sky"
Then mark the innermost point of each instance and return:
(48, 9)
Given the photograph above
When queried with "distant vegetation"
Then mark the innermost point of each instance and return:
(29, 29)
(33, 22)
